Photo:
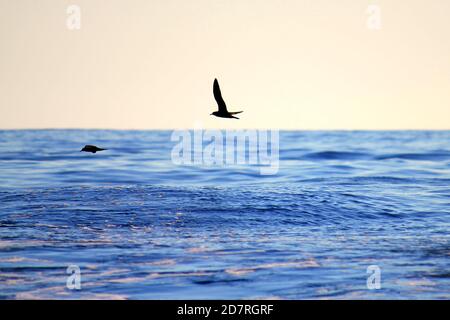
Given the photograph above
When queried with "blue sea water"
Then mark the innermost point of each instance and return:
(140, 227)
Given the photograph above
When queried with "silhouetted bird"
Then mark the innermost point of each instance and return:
(91, 148)
(223, 112)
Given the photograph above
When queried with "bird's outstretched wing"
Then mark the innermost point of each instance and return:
(218, 97)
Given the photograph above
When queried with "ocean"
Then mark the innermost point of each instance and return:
(347, 215)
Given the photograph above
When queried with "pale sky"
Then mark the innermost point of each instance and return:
(291, 64)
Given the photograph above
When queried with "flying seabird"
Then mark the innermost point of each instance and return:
(91, 148)
(223, 112)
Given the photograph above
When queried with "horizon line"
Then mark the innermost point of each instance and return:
(209, 128)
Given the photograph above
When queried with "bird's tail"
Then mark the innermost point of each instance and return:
(236, 112)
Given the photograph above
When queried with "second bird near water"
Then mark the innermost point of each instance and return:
(91, 148)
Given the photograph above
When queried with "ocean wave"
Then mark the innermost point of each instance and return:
(140, 226)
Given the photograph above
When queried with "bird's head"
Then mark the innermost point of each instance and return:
(214, 113)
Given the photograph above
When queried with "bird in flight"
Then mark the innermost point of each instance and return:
(91, 148)
(223, 112)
